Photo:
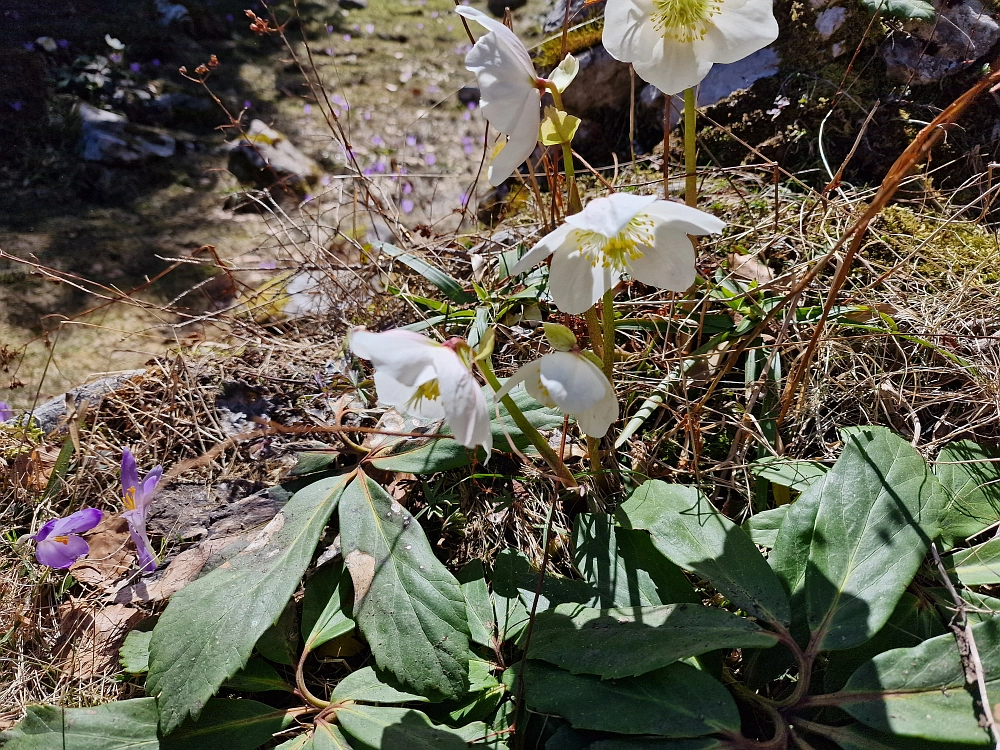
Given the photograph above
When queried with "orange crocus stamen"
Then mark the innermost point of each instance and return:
(129, 498)
(61, 539)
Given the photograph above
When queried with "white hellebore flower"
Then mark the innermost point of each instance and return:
(573, 384)
(509, 91)
(620, 233)
(672, 44)
(426, 380)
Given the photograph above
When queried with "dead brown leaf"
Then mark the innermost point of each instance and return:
(111, 554)
(749, 268)
(91, 636)
(182, 570)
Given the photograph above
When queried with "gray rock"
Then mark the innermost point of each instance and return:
(931, 51)
(50, 415)
(109, 138)
(353, 4)
(497, 7)
(266, 159)
(579, 11)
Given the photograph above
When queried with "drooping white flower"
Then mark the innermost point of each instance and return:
(509, 91)
(620, 233)
(426, 380)
(573, 384)
(673, 44)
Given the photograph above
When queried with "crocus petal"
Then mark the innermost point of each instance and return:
(739, 29)
(59, 555)
(669, 264)
(610, 215)
(43, 533)
(520, 144)
(575, 283)
(82, 520)
(673, 66)
(130, 473)
(685, 219)
(542, 249)
(401, 397)
(137, 531)
(573, 382)
(464, 403)
(403, 355)
(149, 485)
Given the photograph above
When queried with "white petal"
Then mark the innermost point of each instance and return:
(669, 264)
(527, 374)
(739, 29)
(402, 355)
(520, 144)
(628, 30)
(575, 283)
(673, 66)
(542, 249)
(610, 214)
(504, 36)
(464, 403)
(685, 218)
(573, 382)
(596, 421)
(393, 393)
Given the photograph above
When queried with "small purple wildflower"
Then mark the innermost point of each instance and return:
(325, 181)
(115, 57)
(135, 67)
(63, 43)
(369, 28)
(368, 171)
(433, 89)
(467, 148)
(5, 411)
(229, 17)
(463, 199)
(434, 14)
(155, 62)
(247, 104)
(406, 205)
(420, 26)
(472, 105)
(347, 37)
(367, 116)
(329, 29)
(336, 112)
(338, 100)
(450, 27)
(407, 188)
(57, 543)
(30, 46)
(16, 106)
(267, 265)
(329, 52)
(377, 140)
(136, 496)
(307, 108)
(411, 140)
(380, 167)
(467, 115)
(307, 198)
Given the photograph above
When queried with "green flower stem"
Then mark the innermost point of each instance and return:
(690, 160)
(608, 315)
(575, 205)
(540, 443)
(594, 330)
(594, 456)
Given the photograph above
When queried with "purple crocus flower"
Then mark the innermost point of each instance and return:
(135, 67)
(137, 496)
(5, 411)
(57, 543)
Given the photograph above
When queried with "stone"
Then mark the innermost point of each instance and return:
(932, 51)
(353, 4)
(109, 138)
(51, 415)
(498, 7)
(266, 159)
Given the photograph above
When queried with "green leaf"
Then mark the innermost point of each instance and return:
(478, 607)
(795, 475)
(450, 286)
(232, 724)
(971, 475)
(511, 616)
(907, 9)
(979, 606)
(280, 642)
(134, 654)
(408, 605)
(257, 677)
(677, 701)
(763, 527)
(123, 725)
(979, 565)
(208, 630)
(365, 686)
(860, 737)
(327, 597)
(624, 642)
(426, 456)
(879, 508)
(311, 463)
(921, 691)
(702, 743)
(911, 623)
(513, 572)
(382, 728)
(624, 566)
(560, 338)
(323, 737)
(687, 529)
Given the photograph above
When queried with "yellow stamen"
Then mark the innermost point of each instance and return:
(683, 20)
(61, 539)
(619, 251)
(129, 498)
(429, 390)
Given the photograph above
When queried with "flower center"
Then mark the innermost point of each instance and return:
(683, 20)
(61, 539)
(128, 498)
(619, 251)
(429, 390)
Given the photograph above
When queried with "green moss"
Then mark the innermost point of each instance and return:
(958, 249)
(583, 37)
